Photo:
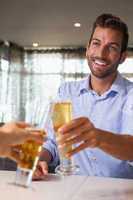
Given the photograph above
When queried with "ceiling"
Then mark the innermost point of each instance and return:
(50, 22)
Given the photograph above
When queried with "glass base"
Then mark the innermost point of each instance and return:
(23, 177)
(67, 168)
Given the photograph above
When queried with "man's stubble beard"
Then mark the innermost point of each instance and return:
(103, 74)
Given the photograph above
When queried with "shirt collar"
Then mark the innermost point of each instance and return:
(84, 85)
(117, 86)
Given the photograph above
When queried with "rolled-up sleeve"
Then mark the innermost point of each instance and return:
(127, 115)
(127, 120)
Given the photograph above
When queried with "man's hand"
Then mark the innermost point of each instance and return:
(79, 131)
(42, 166)
(41, 170)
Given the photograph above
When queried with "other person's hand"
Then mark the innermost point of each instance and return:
(15, 133)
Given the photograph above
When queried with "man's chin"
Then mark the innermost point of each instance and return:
(100, 75)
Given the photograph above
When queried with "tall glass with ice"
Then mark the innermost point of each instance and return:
(28, 158)
(36, 114)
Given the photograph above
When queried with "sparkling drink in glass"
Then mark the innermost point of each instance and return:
(28, 158)
(62, 114)
(36, 114)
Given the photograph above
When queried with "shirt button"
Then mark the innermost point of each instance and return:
(93, 158)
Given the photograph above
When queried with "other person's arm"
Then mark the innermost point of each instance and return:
(15, 133)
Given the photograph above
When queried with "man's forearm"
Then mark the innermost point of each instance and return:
(119, 146)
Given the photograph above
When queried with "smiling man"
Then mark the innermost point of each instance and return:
(102, 129)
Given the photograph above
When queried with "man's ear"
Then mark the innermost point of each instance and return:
(123, 57)
(86, 52)
(87, 47)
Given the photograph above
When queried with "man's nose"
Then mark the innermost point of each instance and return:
(102, 52)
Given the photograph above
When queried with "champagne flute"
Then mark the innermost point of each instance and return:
(62, 114)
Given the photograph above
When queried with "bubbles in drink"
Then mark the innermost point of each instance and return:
(28, 152)
(62, 114)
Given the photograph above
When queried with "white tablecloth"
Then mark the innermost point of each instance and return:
(68, 188)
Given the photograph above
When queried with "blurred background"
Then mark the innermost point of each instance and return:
(43, 43)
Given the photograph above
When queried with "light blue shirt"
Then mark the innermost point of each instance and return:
(112, 111)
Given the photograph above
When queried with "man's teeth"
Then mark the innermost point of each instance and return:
(100, 62)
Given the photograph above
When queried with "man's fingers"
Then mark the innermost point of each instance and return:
(37, 175)
(79, 134)
(73, 124)
(81, 147)
(41, 170)
(79, 138)
(44, 167)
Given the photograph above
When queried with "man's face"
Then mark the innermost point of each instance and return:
(104, 52)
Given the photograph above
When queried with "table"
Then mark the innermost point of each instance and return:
(68, 188)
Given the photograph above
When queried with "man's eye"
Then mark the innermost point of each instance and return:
(95, 44)
(114, 48)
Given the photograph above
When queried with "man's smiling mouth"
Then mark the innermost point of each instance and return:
(99, 63)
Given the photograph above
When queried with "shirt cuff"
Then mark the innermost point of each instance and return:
(52, 148)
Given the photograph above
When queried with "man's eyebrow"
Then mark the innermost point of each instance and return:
(111, 43)
(95, 39)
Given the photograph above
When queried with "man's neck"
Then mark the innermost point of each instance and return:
(101, 85)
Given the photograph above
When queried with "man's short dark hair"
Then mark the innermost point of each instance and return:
(113, 22)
